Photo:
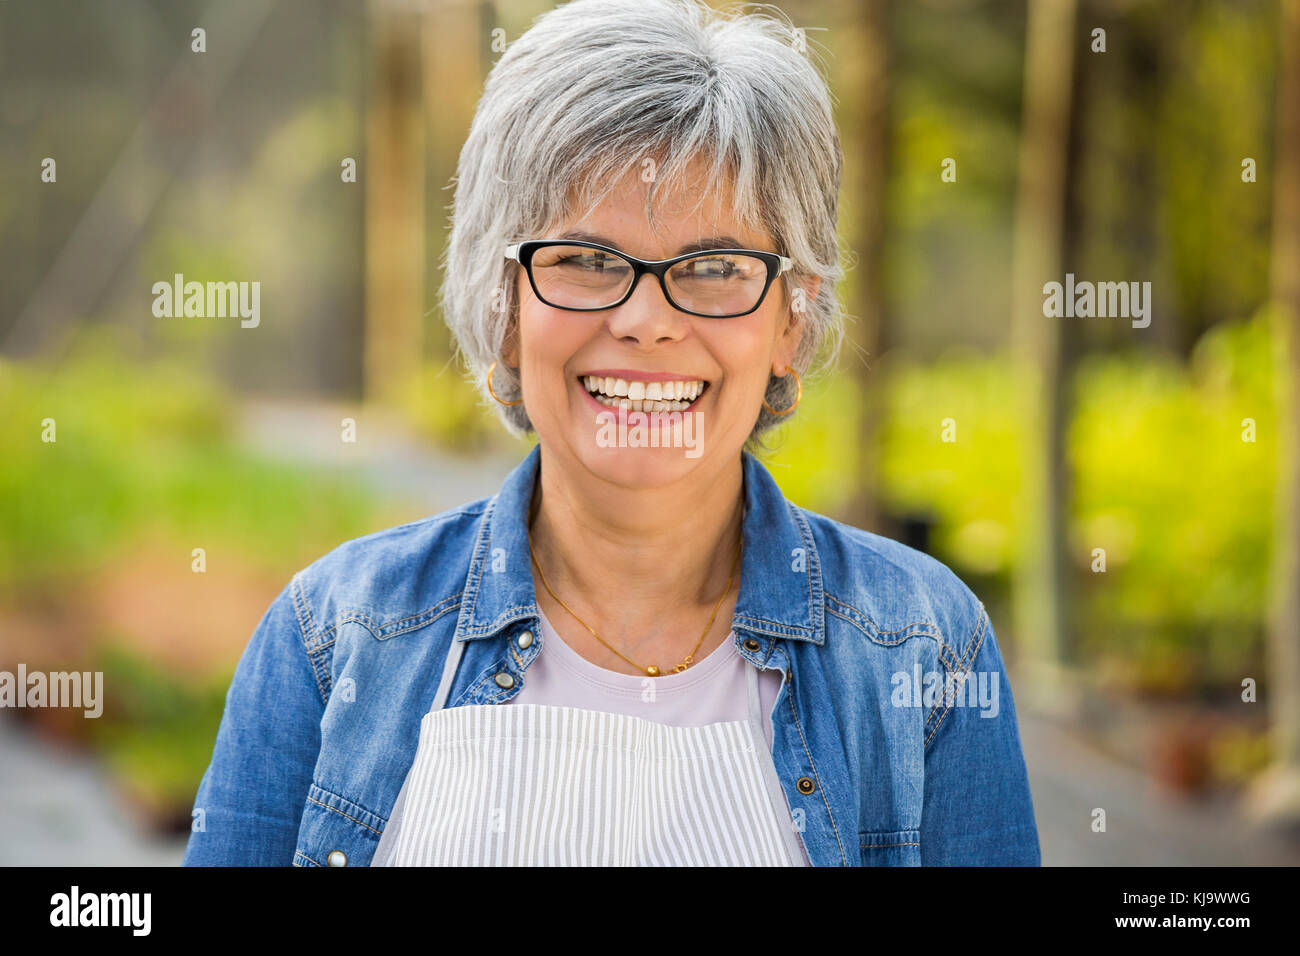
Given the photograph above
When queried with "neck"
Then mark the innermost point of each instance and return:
(643, 567)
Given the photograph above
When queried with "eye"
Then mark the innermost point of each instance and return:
(592, 261)
(714, 267)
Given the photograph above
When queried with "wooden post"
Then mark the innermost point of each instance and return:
(394, 174)
(864, 74)
(456, 38)
(1038, 254)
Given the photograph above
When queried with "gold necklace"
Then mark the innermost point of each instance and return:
(652, 670)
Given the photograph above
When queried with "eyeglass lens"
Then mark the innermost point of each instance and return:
(711, 283)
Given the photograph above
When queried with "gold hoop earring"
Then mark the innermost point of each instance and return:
(798, 397)
(491, 369)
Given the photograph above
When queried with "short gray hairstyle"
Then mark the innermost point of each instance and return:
(593, 89)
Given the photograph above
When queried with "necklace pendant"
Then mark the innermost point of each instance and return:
(652, 671)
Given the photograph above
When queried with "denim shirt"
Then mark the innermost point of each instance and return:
(894, 731)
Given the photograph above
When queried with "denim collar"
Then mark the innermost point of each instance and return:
(780, 574)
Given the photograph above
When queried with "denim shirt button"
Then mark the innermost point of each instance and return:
(505, 680)
(806, 785)
(337, 858)
(751, 645)
(526, 639)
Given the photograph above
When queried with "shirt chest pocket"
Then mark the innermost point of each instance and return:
(890, 848)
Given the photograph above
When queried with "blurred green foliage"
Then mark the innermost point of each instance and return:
(443, 406)
(1162, 481)
(157, 730)
(144, 446)
(1181, 502)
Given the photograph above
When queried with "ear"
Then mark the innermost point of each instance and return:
(787, 343)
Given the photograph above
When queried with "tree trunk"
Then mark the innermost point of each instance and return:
(457, 41)
(865, 76)
(1037, 345)
(394, 181)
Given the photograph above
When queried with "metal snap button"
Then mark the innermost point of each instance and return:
(505, 680)
(751, 644)
(806, 785)
(526, 639)
(337, 858)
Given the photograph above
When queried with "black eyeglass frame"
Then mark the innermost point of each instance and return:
(522, 253)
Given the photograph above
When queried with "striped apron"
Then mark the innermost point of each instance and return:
(541, 785)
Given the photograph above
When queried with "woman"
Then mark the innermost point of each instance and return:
(642, 263)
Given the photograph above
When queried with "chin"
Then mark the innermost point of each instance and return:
(636, 467)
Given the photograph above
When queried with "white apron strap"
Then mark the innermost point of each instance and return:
(780, 808)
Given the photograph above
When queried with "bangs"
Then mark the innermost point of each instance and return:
(679, 168)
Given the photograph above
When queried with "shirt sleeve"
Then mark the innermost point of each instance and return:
(977, 809)
(250, 800)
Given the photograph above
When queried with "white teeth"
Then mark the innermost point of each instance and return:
(644, 405)
(644, 396)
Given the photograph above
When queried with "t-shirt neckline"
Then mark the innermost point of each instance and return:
(571, 660)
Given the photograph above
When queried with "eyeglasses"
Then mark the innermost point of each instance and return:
(588, 277)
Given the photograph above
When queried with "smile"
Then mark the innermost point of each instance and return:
(637, 396)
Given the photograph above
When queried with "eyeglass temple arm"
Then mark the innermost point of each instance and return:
(512, 251)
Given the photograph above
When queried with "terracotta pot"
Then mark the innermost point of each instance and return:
(1181, 760)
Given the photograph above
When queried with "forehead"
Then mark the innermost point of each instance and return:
(684, 211)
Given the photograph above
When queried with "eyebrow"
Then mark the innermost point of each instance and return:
(701, 245)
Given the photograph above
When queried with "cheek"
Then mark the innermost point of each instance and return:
(551, 336)
(745, 351)
(538, 324)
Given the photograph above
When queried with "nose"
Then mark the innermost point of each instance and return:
(647, 316)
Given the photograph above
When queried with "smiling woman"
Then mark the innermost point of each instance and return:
(629, 655)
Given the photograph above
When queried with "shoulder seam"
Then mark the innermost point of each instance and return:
(307, 630)
(963, 665)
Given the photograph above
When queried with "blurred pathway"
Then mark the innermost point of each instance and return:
(1144, 827)
(59, 808)
(385, 454)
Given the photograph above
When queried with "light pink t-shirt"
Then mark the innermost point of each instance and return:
(710, 691)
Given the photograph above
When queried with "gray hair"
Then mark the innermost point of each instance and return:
(595, 88)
